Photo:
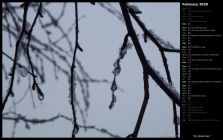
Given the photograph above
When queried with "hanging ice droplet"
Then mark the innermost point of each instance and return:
(112, 102)
(111, 106)
(27, 126)
(23, 71)
(117, 70)
(114, 86)
(40, 93)
(40, 96)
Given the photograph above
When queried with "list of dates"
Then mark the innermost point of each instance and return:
(201, 82)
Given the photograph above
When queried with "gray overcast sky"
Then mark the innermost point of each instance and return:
(101, 35)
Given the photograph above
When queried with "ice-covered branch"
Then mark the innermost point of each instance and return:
(148, 69)
(160, 43)
(163, 46)
(117, 69)
(167, 88)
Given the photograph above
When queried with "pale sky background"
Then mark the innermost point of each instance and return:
(101, 35)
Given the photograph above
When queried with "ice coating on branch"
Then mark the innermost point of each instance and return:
(27, 126)
(117, 68)
(114, 86)
(129, 45)
(169, 85)
(122, 53)
(113, 101)
(40, 93)
(135, 9)
(165, 44)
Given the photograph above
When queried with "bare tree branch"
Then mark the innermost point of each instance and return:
(143, 108)
(73, 98)
(148, 69)
(12, 74)
(162, 50)
(168, 89)
(150, 35)
(19, 117)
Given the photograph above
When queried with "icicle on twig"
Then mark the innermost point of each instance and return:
(117, 68)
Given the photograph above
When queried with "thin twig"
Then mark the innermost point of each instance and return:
(19, 117)
(29, 35)
(75, 125)
(12, 74)
(18, 64)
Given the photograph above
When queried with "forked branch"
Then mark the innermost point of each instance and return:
(167, 88)
(148, 69)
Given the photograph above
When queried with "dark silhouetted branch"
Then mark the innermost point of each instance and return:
(143, 108)
(162, 49)
(34, 121)
(168, 89)
(29, 34)
(73, 98)
(151, 36)
(25, 5)
(12, 73)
